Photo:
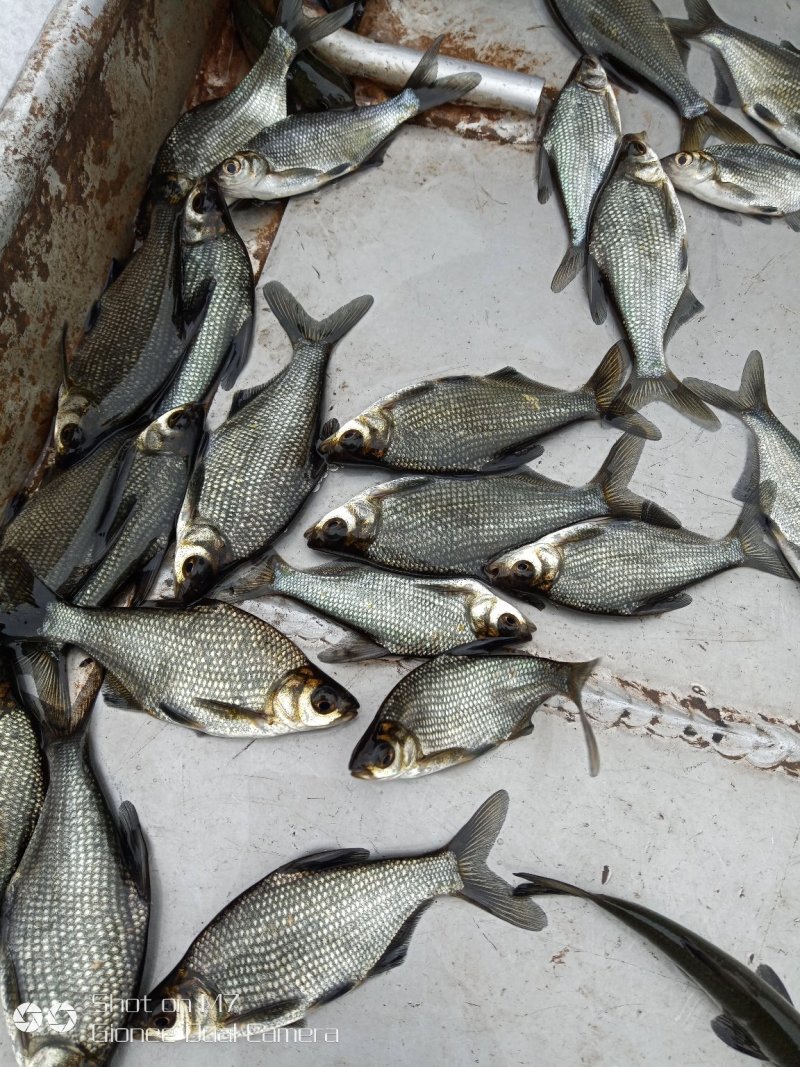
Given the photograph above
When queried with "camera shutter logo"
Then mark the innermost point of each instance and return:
(61, 1016)
(27, 1017)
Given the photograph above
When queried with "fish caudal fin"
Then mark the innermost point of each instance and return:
(750, 397)
(471, 847)
(307, 31)
(667, 388)
(712, 123)
(614, 478)
(43, 684)
(570, 267)
(702, 17)
(430, 91)
(24, 599)
(606, 383)
(253, 582)
(757, 551)
(578, 673)
(299, 325)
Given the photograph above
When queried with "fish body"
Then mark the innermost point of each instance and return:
(74, 919)
(318, 927)
(21, 784)
(454, 708)
(258, 467)
(629, 568)
(639, 249)
(755, 179)
(393, 613)
(579, 143)
(777, 467)
(761, 77)
(473, 423)
(451, 526)
(758, 1017)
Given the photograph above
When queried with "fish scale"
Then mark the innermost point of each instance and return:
(21, 784)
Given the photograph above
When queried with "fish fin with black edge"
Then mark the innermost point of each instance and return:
(595, 288)
(748, 480)
(431, 90)
(42, 683)
(426, 70)
(227, 710)
(484, 646)
(237, 355)
(180, 716)
(544, 178)
(750, 397)
(255, 581)
(712, 123)
(790, 47)
(725, 92)
(307, 32)
(396, 951)
(766, 116)
(701, 17)
(299, 325)
(758, 553)
(687, 307)
(242, 397)
(667, 388)
(147, 571)
(793, 220)
(334, 993)
(614, 478)
(377, 157)
(578, 674)
(663, 603)
(351, 648)
(481, 886)
(571, 265)
(522, 453)
(325, 860)
(766, 974)
(117, 695)
(735, 1036)
(134, 848)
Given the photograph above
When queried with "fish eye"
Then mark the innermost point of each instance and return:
(71, 434)
(683, 159)
(323, 700)
(335, 528)
(231, 166)
(178, 420)
(352, 439)
(384, 755)
(638, 148)
(523, 567)
(507, 623)
(165, 1020)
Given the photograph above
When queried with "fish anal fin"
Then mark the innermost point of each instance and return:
(397, 949)
(596, 290)
(353, 647)
(545, 176)
(117, 695)
(237, 354)
(327, 859)
(243, 397)
(524, 452)
(664, 602)
(687, 307)
(134, 848)
(736, 1037)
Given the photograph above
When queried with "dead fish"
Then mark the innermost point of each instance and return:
(456, 707)
(639, 250)
(757, 1018)
(451, 526)
(22, 783)
(629, 568)
(776, 467)
(760, 77)
(394, 614)
(579, 143)
(318, 927)
(310, 149)
(755, 179)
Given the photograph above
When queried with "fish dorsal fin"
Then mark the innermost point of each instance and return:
(327, 859)
(511, 376)
(736, 1037)
(411, 484)
(790, 47)
(134, 848)
(585, 532)
(243, 397)
(397, 949)
(766, 974)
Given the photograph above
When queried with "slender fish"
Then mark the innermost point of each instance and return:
(21, 783)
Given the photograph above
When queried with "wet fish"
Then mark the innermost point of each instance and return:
(257, 469)
(308, 150)
(21, 783)
(776, 467)
(75, 914)
(213, 131)
(629, 568)
(451, 526)
(758, 1017)
(457, 707)
(213, 668)
(394, 614)
(755, 179)
(318, 927)
(472, 423)
(579, 144)
(633, 36)
(639, 250)
(212, 253)
(139, 531)
(760, 77)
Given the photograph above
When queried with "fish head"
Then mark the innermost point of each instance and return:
(182, 1007)
(492, 617)
(175, 433)
(200, 554)
(366, 437)
(307, 699)
(530, 567)
(387, 750)
(349, 528)
(638, 160)
(238, 176)
(77, 425)
(591, 74)
(688, 170)
(171, 188)
(205, 215)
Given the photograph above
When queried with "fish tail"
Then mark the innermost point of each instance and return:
(577, 675)
(702, 17)
(307, 31)
(712, 123)
(606, 383)
(750, 397)
(430, 91)
(257, 581)
(668, 389)
(570, 267)
(614, 477)
(758, 553)
(471, 847)
(299, 325)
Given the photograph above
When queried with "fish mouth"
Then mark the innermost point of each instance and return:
(492, 570)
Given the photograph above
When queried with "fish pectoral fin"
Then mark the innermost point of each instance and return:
(226, 710)
(545, 176)
(397, 949)
(793, 220)
(353, 647)
(596, 290)
(664, 602)
(117, 695)
(766, 116)
(745, 195)
(735, 1036)
(484, 646)
(327, 859)
(766, 973)
(509, 461)
(134, 848)
(236, 356)
(181, 717)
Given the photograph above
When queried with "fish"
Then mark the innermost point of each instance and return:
(452, 526)
(758, 1017)
(139, 531)
(75, 915)
(775, 467)
(22, 782)
(639, 250)
(633, 37)
(755, 179)
(760, 77)
(319, 926)
(579, 145)
(255, 471)
(310, 149)
(212, 668)
(140, 329)
(475, 423)
(392, 614)
(212, 253)
(454, 708)
(610, 567)
(211, 132)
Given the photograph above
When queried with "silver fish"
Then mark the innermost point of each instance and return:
(74, 918)
(629, 568)
(633, 36)
(451, 526)
(310, 149)
(318, 927)
(639, 249)
(579, 143)
(776, 470)
(21, 783)
(760, 77)
(258, 468)
(394, 613)
(755, 179)
(471, 423)
(457, 707)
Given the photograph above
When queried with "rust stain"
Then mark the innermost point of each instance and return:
(260, 245)
(223, 66)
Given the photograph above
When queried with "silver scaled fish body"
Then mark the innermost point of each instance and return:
(258, 467)
(21, 783)
(457, 707)
(318, 927)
